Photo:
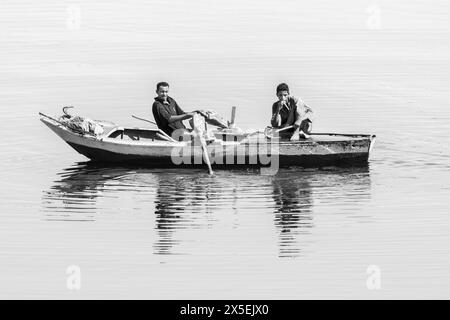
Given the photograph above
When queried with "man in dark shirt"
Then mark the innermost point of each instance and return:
(291, 111)
(167, 113)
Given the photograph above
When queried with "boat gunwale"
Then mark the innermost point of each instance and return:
(105, 137)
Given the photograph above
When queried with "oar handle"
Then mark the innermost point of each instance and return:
(143, 119)
(270, 131)
(160, 131)
(284, 129)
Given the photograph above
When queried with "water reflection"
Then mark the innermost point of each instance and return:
(193, 201)
(300, 194)
(73, 197)
(181, 202)
(166, 211)
(293, 211)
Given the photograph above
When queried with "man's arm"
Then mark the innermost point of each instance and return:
(276, 117)
(181, 117)
(298, 120)
(158, 109)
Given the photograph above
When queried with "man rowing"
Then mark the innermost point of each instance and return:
(169, 116)
(166, 111)
(291, 111)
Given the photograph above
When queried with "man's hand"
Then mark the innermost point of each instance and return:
(303, 135)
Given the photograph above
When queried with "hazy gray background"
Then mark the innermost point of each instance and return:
(379, 67)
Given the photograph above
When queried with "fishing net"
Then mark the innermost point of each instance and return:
(80, 124)
(85, 125)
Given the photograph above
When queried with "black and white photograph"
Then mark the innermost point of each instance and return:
(225, 150)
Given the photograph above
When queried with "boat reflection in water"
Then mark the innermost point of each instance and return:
(187, 204)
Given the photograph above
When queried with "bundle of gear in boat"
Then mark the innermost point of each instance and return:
(97, 128)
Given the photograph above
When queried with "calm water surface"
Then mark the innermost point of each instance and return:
(170, 234)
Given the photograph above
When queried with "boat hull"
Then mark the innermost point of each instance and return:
(312, 160)
(320, 150)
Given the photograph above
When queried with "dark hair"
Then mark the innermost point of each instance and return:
(282, 87)
(161, 84)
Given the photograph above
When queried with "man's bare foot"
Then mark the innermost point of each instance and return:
(304, 135)
(295, 136)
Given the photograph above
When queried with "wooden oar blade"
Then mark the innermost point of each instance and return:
(198, 123)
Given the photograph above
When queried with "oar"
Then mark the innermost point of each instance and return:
(143, 119)
(199, 133)
(206, 155)
(269, 135)
(160, 131)
(284, 129)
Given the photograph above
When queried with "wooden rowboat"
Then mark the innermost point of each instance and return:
(153, 148)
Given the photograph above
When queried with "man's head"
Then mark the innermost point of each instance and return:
(283, 92)
(162, 90)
